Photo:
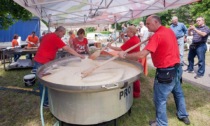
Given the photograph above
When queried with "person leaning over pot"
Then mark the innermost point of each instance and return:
(165, 56)
(47, 52)
(133, 40)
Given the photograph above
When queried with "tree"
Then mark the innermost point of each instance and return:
(188, 13)
(90, 29)
(12, 12)
(201, 9)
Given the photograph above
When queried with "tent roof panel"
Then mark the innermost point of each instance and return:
(93, 12)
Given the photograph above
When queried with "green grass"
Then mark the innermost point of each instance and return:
(21, 108)
(196, 59)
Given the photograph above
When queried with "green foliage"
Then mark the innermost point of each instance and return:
(165, 17)
(188, 13)
(201, 9)
(135, 21)
(18, 101)
(11, 12)
(118, 26)
(90, 29)
(105, 32)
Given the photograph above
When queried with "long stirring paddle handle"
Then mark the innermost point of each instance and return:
(85, 74)
(129, 49)
(111, 43)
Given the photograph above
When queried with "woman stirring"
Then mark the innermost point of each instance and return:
(133, 40)
(80, 43)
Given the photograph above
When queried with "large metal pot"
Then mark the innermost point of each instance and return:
(86, 105)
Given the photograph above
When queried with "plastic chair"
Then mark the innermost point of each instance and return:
(189, 41)
(208, 44)
(208, 47)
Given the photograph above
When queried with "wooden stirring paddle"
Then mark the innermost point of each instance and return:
(90, 70)
(98, 52)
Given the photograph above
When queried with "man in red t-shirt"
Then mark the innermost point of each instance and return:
(133, 40)
(165, 56)
(47, 52)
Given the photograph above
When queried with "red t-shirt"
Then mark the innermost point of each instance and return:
(34, 39)
(164, 48)
(80, 46)
(48, 48)
(14, 42)
(131, 42)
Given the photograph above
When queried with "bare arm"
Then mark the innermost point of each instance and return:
(192, 27)
(72, 51)
(29, 41)
(37, 42)
(87, 49)
(200, 32)
(70, 43)
(32, 43)
(113, 47)
(134, 56)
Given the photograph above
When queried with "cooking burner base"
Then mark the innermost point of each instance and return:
(109, 123)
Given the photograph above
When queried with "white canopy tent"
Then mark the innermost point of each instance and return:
(94, 12)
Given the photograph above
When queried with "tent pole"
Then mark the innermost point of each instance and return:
(48, 26)
(49, 18)
(115, 29)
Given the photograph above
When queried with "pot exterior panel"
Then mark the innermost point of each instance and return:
(90, 107)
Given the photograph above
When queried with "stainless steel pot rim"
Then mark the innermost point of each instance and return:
(86, 88)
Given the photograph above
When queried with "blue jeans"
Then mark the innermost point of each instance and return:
(181, 48)
(41, 86)
(29, 56)
(16, 57)
(200, 51)
(161, 93)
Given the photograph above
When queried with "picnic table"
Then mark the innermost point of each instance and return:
(8, 54)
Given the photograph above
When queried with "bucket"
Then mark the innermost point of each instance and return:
(29, 80)
(33, 71)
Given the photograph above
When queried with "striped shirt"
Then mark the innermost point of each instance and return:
(198, 38)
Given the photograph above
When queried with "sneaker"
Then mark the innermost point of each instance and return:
(198, 76)
(185, 120)
(152, 123)
(186, 70)
(191, 71)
